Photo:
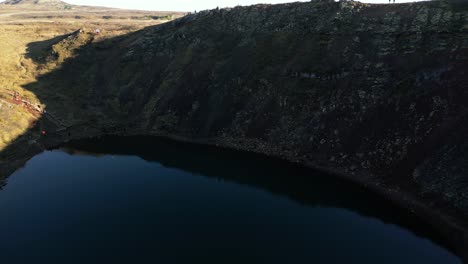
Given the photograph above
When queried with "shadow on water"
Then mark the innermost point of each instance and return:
(303, 185)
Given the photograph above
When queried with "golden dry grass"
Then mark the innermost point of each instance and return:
(22, 25)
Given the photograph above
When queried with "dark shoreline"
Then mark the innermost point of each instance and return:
(445, 220)
(449, 224)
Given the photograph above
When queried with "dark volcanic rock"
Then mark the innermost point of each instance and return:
(363, 89)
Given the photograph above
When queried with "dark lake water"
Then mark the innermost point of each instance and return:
(142, 200)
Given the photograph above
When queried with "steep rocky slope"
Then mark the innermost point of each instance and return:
(376, 89)
(376, 93)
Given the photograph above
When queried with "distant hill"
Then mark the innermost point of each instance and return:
(52, 10)
(48, 3)
(33, 2)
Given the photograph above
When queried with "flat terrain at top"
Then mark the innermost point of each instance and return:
(57, 11)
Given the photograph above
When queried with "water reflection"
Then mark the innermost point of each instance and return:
(146, 200)
(300, 184)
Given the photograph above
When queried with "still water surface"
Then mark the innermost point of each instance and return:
(143, 200)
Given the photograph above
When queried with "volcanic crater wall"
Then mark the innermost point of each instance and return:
(377, 92)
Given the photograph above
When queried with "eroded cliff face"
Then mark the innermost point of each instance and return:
(376, 92)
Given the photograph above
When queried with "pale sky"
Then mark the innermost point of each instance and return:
(189, 5)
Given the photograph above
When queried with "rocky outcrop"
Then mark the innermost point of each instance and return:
(363, 89)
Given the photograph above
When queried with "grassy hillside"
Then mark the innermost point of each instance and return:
(37, 30)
